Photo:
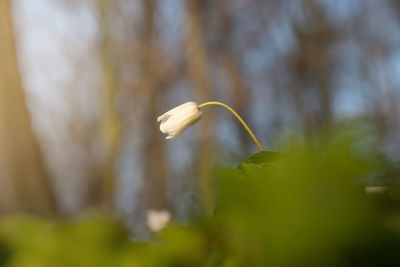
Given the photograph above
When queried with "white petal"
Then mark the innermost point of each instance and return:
(157, 220)
(175, 121)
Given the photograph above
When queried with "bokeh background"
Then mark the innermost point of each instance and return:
(83, 81)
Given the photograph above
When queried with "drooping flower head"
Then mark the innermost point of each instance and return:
(175, 121)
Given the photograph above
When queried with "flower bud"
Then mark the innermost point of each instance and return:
(177, 120)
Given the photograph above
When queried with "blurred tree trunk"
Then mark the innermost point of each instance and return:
(110, 121)
(312, 68)
(153, 191)
(156, 172)
(199, 67)
(237, 81)
(24, 183)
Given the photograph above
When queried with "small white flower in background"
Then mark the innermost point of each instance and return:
(177, 120)
(157, 219)
(375, 189)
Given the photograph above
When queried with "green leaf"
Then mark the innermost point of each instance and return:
(263, 160)
(262, 157)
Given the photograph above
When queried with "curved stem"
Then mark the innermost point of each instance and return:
(238, 117)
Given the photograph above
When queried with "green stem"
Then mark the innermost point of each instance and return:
(238, 117)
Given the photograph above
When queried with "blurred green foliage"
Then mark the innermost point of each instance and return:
(304, 207)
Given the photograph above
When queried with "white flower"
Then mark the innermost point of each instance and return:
(375, 189)
(177, 120)
(157, 220)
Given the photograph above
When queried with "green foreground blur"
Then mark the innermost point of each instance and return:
(304, 207)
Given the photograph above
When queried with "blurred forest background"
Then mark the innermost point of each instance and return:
(83, 81)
